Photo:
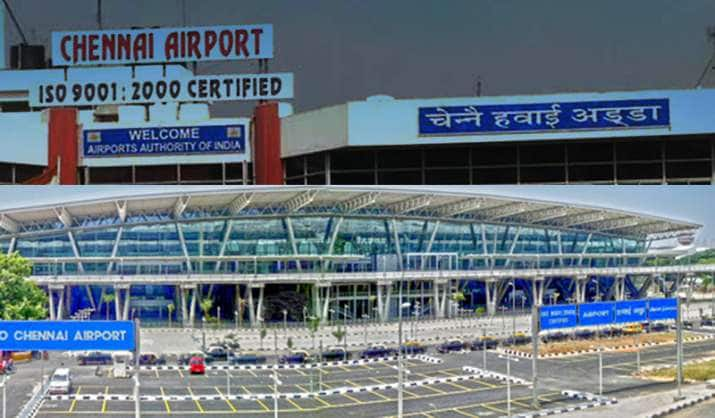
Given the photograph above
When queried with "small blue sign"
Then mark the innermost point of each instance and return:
(662, 309)
(557, 316)
(597, 313)
(631, 311)
(175, 140)
(540, 117)
(67, 335)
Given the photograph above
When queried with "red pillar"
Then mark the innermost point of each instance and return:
(267, 163)
(62, 143)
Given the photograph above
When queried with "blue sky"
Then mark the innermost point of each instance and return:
(686, 203)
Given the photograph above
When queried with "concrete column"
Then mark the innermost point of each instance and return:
(491, 287)
(388, 300)
(326, 302)
(68, 300)
(184, 309)
(443, 302)
(60, 304)
(127, 302)
(259, 308)
(117, 303)
(380, 307)
(51, 298)
(316, 301)
(251, 308)
(435, 299)
(538, 291)
(192, 312)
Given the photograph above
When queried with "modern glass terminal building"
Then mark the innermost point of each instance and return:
(340, 252)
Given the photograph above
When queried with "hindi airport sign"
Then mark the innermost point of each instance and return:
(212, 139)
(543, 117)
(557, 316)
(209, 88)
(607, 313)
(631, 311)
(162, 45)
(67, 335)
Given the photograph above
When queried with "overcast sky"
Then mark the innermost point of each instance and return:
(345, 50)
(691, 204)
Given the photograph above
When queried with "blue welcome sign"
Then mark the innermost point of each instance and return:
(67, 335)
(164, 141)
(539, 117)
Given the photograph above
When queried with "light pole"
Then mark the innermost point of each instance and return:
(679, 343)
(508, 381)
(218, 316)
(235, 315)
(285, 323)
(405, 305)
(4, 396)
(276, 382)
(228, 382)
(203, 333)
(365, 318)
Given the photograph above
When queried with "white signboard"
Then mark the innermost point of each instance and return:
(208, 88)
(164, 45)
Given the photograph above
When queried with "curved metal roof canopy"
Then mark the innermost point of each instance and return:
(378, 201)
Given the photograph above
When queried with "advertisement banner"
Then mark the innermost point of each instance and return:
(557, 316)
(205, 88)
(162, 45)
(171, 140)
(543, 117)
(597, 313)
(66, 335)
(631, 311)
(662, 309)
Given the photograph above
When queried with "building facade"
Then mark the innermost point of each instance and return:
(333, 252)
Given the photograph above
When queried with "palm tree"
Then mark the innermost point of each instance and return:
(340, 334)
(263, 334)
(313, 325)
(108, 298)
(170, 308)
(206, 304)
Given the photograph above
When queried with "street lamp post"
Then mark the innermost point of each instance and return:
(399, 356)
(365, 318)
(679, 344)
(218, 317)
(285, 323)
(4, 397)
(203, 333)
(509, 359)
(235, 316)
(276, 382)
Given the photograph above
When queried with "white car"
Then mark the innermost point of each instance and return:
(60, 382)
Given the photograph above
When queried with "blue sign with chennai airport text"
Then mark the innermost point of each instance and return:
(67, 335)
(541, 117)
(597, 313)
(631, 311)
(164, 141)
(660, 309)
(558, 316)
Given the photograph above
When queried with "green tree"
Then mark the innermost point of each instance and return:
(289, 343)
(263, 334)
(458, 297)
(107, 299)
(480, 311)
(170, 309)
(340, 334)
(313, 325)
(19, 297)
(206, 304)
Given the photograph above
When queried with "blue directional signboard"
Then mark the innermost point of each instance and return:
(558, 316)
(631, 311)
(67, 335)
(169, 140)
(597, 313)
(662, 309)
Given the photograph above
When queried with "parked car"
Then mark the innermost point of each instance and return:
(555, 336)
(94, 358)
(632, 329)
(584, 334)
(197, 365)
(335, 353)
(60, 382)
(413, 347)
(614, 332)
(451, 345)
(486, 341)
(295, 357)
(708, 322)
(216, 353)
(247, 358)
(185, 359)
(378, 351)
(151, 359)
(518, 338)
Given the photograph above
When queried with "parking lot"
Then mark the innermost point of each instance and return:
(225, 392)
